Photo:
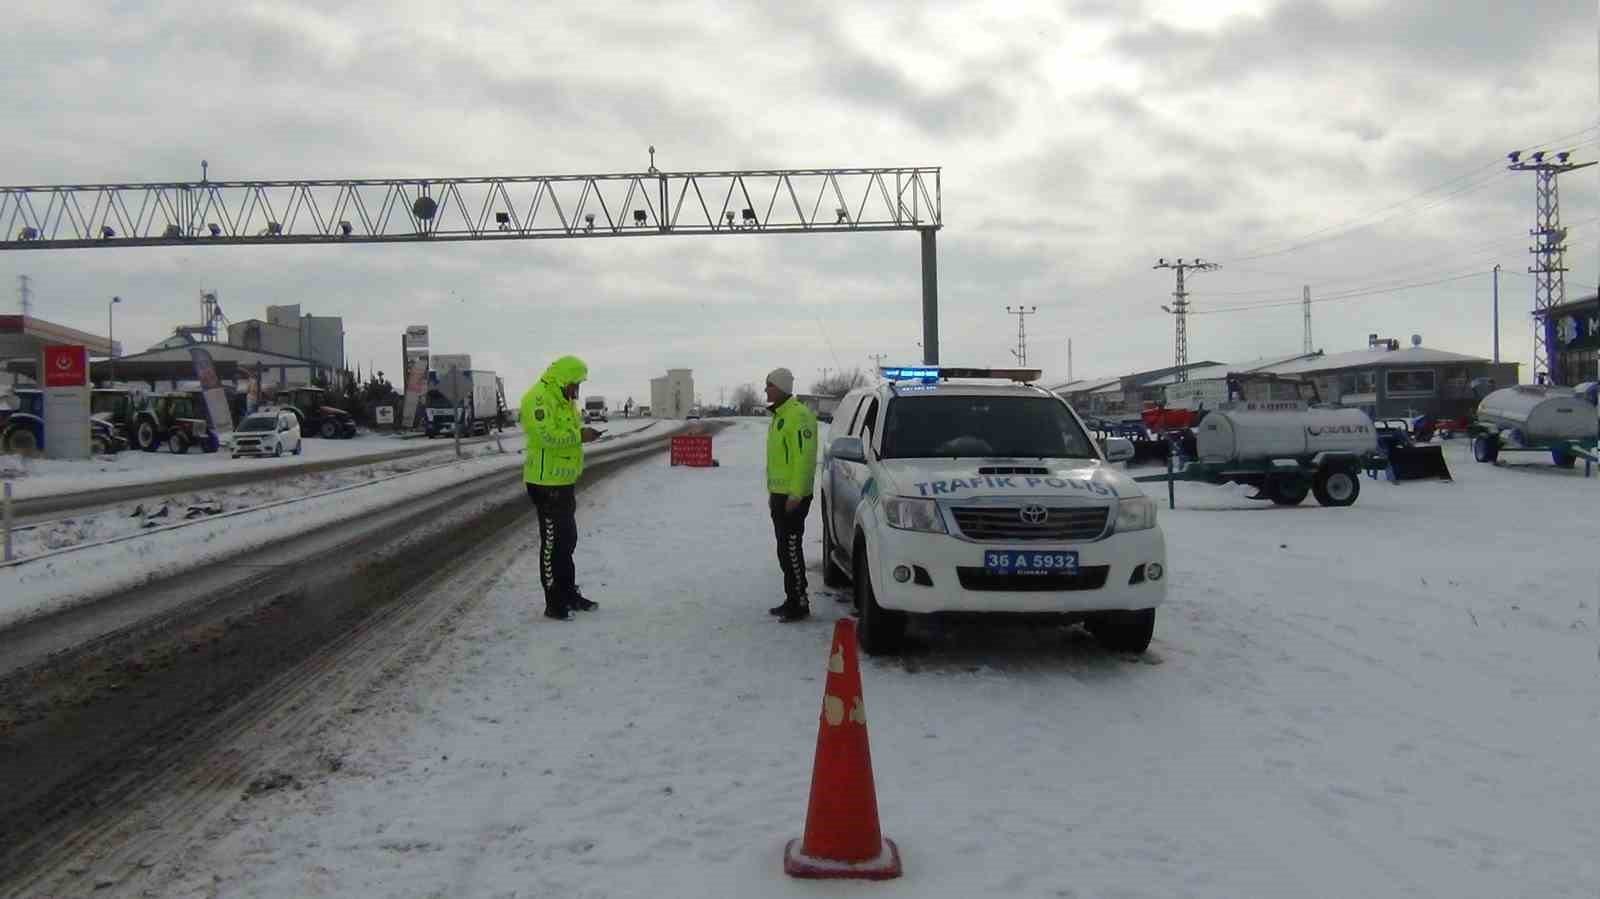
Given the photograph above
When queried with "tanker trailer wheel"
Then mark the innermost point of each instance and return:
(1336, 487)
(1287, 491)
(1485, 448)
(1563, 459)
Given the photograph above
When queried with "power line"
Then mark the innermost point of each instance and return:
(1377, 216)
(1279, 304)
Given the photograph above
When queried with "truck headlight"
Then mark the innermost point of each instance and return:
(913, 514)
(1136, 513)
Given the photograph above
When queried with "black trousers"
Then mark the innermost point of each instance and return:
(790, 529)
(558, 537)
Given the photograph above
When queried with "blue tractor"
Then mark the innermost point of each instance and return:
(22, 426)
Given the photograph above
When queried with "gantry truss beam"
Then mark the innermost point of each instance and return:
(782, 201)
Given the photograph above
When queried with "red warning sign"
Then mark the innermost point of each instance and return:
(693, 450)
(66, 366)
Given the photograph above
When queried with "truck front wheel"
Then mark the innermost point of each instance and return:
(330, 429)
(1485, 448)
(1336, 487)
(882, 631)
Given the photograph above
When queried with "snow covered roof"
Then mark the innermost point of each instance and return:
(1196, 373)
(1373, 357)
(1084, 385)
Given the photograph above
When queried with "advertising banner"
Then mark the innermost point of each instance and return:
(205, 371)
(65, 373)
(66, 366)
(415, 383)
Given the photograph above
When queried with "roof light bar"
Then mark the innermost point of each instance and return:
(929, 374)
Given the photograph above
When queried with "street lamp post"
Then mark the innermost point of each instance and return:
(111, 337)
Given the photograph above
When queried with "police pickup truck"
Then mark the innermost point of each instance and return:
(947, 490)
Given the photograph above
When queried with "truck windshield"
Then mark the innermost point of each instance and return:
(1025, 427)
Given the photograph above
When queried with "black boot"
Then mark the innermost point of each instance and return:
(578, 602)
(794, 611)
(557, 610)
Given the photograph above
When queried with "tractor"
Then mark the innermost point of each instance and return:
(174, 420)
(317, 417)
(22, 426)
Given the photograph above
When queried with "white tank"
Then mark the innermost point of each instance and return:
(1239, 435)
(1541, 413)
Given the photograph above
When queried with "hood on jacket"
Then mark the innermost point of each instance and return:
(566, 371)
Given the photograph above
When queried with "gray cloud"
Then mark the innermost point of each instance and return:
(1065, 173)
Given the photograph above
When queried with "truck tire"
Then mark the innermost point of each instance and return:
(177, 443)
(21, 441)
(1485, 448)
(1128, 632)
(882, 632)
(832, 575)
(1287, 491)
(145, 436)
(1336, 487)
(329, 429)
(1562, 459)
(99, 446)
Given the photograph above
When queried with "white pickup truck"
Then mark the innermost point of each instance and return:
(971, 491)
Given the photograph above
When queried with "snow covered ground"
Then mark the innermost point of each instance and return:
(111, 550)
(1395, 699)
(49, 477)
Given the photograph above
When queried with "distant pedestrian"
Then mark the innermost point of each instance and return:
(552, 467)
(791, 474)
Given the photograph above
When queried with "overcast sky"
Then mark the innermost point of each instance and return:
(1345, 145)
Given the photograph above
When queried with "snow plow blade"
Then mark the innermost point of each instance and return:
(1418, 463)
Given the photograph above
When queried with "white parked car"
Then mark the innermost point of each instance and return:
(267, 433)
(984, 495)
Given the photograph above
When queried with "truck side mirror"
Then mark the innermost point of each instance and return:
(848, 449)
(1119, 449)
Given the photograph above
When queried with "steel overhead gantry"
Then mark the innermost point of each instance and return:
(532, 207)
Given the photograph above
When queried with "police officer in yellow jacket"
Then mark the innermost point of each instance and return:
(554, 461)
(791, 473)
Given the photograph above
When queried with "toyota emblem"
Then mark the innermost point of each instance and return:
(1033, 514)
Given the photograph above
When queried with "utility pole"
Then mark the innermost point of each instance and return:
(1549, 250)
(1305, 302)
(877, 359)
(1180, 312)
(1497, 313)
(1069, 360)
(25, 292)
(1021, 312)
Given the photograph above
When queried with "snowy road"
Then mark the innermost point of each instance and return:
(34, 478)
(1396, 699)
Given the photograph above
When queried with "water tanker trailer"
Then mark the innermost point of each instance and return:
(1562, 421)
(1285, 449)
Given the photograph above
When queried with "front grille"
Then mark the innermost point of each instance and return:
(1089, 577)
(1061, 524)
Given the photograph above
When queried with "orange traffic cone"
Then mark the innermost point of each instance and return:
(842, 839)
